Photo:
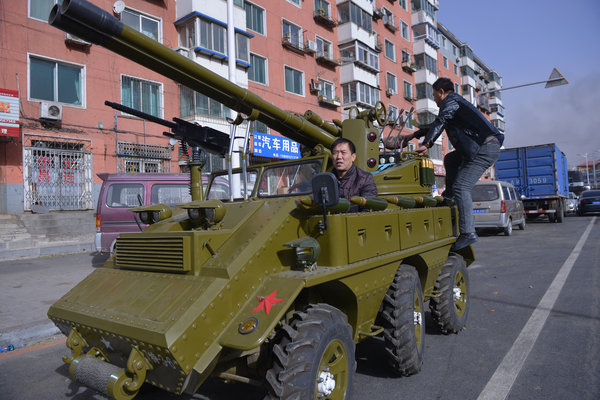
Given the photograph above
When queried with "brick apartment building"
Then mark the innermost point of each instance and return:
(56, 134)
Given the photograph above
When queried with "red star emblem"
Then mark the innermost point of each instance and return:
(266, 302)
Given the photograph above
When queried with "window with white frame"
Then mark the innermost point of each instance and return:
(324, 48)
(292, 33)
(40, 9)
(359, 92)
(141, 95)
(408, 90)
(327, 89)
(390, 50)
(294, 80)
(402, 3)
(445, 60)
(404, 31)
(392, 113)
(212, 38)
(350, 12)
(295, 2)
(146, 24)
(193, 105)
(323, 5)
(405, 56)
(455, 69)
(54, 80)
(258, 69)
(391, 83)
(255, 18)
(406, 120)
(359, 52)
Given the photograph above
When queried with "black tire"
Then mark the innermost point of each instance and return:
(552, 217)
(508, 230)
(450, 307)
(560, 215)
(403, 320)
(317, 344)
(522, 224)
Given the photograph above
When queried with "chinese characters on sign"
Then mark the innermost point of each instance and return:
(9, 113)
(266, 145)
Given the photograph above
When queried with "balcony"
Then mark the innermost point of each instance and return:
(388, 22)
(326, 58)
(499, 124)
(409, 67)
(427, 32)
(293, 44)
(322, 17)
(334, 102)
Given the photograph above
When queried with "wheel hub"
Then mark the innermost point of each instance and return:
(326, 384)
(457, 294)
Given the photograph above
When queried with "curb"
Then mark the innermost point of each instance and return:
(49, 249)
(21, 337)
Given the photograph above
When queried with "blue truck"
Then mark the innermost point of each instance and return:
(539, 173)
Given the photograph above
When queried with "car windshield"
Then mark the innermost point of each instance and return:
(289, 179)
(591, 193)
(219, 186)
(485, 193)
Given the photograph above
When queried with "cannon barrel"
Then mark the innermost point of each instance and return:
(91, 23)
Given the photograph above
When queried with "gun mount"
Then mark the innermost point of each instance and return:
(234, 285)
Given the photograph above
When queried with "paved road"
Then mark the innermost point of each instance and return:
(533, 333)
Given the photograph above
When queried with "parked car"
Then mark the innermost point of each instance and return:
(497, 206)
(572, 203)
(589, 201)
(121, 192)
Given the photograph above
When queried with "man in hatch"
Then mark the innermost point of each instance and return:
(352, 180)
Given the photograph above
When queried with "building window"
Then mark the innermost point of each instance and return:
(424, 91)
(212, 38)
(40, 9)
(350, 12)
(404, 31)
(55, 81)
(292, 33)
(294, 81)
(193, 104)
(405, 56)
(454, 50)
(408, 90)
(360, 92)
(425, 61)
(456, 88)
(241, 47)
(255, 18)
(322, 5)
(258, 69)
(324, 48)
(402, 3)
(391, 83)
(465, 70)
(148, 25)
(445, 60)
(141, 95)
(390, 50)
(392, 113)
(327, 90)
(295, 2)
(455, 69)
(435, 152)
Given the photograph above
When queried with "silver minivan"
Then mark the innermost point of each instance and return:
(497, 205)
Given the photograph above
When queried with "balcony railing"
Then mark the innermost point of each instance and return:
(326, 58)
(293, 44)
(409, 67)
(323, 99)
(322, 17)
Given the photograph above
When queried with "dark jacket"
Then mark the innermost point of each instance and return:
(357, 182)
(466, 127)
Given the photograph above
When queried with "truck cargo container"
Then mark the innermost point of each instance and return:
(539, 173)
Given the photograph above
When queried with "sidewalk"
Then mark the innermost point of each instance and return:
(30, 286)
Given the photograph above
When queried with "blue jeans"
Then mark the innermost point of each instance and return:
(461, 177)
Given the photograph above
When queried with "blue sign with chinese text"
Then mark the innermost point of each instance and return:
(272, 146)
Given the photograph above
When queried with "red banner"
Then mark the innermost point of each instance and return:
(9, 113)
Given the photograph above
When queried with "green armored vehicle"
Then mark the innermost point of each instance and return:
(260, 279)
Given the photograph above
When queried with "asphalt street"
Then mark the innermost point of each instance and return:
(533, 330)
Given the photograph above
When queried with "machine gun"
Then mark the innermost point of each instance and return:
(236, 286)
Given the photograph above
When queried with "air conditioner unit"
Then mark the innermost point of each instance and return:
(310, 46)
(316, 86)
(378, 13)
(51, 111)
(69, 38)
(390, 92)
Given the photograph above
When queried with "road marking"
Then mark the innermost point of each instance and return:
(500, 384)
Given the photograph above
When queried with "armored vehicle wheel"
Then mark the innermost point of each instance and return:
(451, 307)
(313, 357)
(403, 320)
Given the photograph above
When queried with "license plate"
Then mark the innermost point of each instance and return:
(479, 210)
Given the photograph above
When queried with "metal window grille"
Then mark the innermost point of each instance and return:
(139, 157)
(57, 172)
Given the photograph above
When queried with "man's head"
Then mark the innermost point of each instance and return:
(442, 88)
(344, 154)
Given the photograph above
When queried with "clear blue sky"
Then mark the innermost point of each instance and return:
(523, 40)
